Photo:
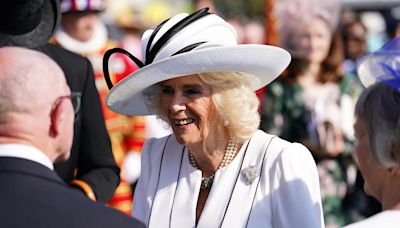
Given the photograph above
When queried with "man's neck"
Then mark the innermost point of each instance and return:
(25, 133)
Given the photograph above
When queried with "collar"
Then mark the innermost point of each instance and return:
(25, 152)
(94, 44)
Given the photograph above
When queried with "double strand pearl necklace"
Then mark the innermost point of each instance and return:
(230, 152)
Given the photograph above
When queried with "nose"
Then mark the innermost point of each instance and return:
(178, 103)
(313, 42)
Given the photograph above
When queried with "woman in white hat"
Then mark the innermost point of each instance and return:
(377, 129)
(216, 169)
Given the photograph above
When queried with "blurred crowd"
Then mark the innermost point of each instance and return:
(313, 103)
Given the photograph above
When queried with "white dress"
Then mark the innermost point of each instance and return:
(285, 192)
(385, 219)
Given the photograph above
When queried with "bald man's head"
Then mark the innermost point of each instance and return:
(24, 73)
(32, 108)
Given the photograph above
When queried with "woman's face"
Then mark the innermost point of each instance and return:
(355, 43)
(372, 173)
(314, 41)
(186, 103)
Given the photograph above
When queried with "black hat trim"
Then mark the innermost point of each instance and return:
(151, 54)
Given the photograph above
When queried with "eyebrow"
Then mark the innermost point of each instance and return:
(193, 85)
(197, 85)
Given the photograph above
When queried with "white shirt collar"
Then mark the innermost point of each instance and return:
(25, 152)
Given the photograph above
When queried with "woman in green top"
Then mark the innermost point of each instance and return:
(311, 103)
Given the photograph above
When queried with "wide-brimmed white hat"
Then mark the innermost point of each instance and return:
(189, 44)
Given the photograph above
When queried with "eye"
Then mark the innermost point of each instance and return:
(192, 92)
(166, 90)
(321, 36)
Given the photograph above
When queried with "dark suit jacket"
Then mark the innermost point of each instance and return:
(32, 195)
(91, 151)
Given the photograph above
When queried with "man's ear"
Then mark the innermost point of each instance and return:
(56, 117)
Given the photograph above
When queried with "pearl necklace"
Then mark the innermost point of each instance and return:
(230, 152)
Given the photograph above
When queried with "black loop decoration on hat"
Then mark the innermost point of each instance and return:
(106, 58)
(151, 54)
(139, 63)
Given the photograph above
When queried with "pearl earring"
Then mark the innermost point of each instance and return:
(226, 123)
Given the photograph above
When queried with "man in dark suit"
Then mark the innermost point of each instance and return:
(36, 130)
(91, 167)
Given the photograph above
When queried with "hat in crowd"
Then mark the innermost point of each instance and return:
(383, 65)
(28, 23)
(71, 6)
(189, 44)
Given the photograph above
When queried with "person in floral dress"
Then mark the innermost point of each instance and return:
(312, 103)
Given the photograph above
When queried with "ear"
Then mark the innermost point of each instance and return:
(56, 117)
(394, 170)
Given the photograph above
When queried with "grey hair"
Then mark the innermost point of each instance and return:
(236, 103)
(379, 107)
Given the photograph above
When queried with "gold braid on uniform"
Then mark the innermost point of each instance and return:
(85, 188)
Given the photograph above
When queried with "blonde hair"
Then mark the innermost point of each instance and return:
(236, 103)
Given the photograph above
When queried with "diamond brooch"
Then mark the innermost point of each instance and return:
(249, 174)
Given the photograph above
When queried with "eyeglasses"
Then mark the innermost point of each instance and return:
(75, 98)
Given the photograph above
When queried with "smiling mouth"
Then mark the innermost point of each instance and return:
(184, 122)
